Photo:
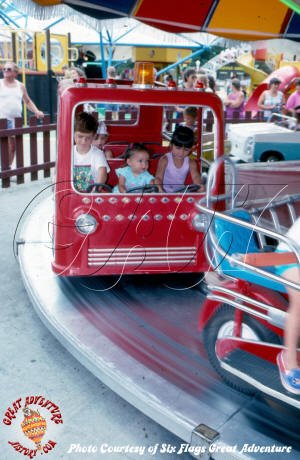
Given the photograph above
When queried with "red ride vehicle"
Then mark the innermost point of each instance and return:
(132, 233)
(244, 314)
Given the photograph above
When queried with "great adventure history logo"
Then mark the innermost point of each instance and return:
(33, 415)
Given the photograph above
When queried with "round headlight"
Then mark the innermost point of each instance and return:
(86, 224)
(249, 147)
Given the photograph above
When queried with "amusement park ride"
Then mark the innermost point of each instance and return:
(96, 234)
(72, 246)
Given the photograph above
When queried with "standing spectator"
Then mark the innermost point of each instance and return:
(271, 100)
(114, 108)
(111, 72)
(189, 79)
(190, 118)
(66, 71)
(76, 73)
(233, 76)
(12, 93)
(235, 100)
(211, 83)
(293, 102)
(71, 77)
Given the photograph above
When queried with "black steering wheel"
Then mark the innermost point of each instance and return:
(97, 186)
(188, 188)
(150, 188)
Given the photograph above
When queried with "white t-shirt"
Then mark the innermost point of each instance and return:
(294, 234)
(94, 158)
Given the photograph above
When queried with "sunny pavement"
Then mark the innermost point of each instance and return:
(33, 362)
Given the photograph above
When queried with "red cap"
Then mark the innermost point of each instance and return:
(171, 84)
(199, 85)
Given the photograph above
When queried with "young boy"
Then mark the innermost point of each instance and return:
(89, 163)
(173, 167)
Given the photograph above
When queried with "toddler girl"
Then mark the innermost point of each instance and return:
(135, 173)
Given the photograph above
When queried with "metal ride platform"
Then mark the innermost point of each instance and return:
(138, 334)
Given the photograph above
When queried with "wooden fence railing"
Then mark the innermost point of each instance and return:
(33, 164)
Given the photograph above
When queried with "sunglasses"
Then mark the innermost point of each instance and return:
(8, 69)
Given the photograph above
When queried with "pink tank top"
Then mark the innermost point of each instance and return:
(175, 177)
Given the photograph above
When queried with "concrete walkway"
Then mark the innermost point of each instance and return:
(34, 363)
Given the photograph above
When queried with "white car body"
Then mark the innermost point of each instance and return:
(265, 141)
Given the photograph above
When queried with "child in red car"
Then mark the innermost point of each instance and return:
(174, 167)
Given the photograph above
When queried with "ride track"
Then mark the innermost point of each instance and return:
(138, 334)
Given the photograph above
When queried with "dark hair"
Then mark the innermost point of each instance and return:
(297, 81)
(274, 80)
(85, 123)
(134, 148)
(190, 111)
(187, 73)
(90, 56)
(236, 83)
(183, 137)
(211, 82)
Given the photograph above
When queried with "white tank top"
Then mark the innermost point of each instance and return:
(10, 101)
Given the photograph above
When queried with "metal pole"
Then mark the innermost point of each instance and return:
(49, 72)
(102, 53)
(69, 46)
(14, 46)
(23, 74)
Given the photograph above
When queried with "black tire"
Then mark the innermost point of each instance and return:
(217, 325)
(271, 156)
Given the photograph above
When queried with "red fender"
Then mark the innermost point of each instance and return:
(254, 291)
